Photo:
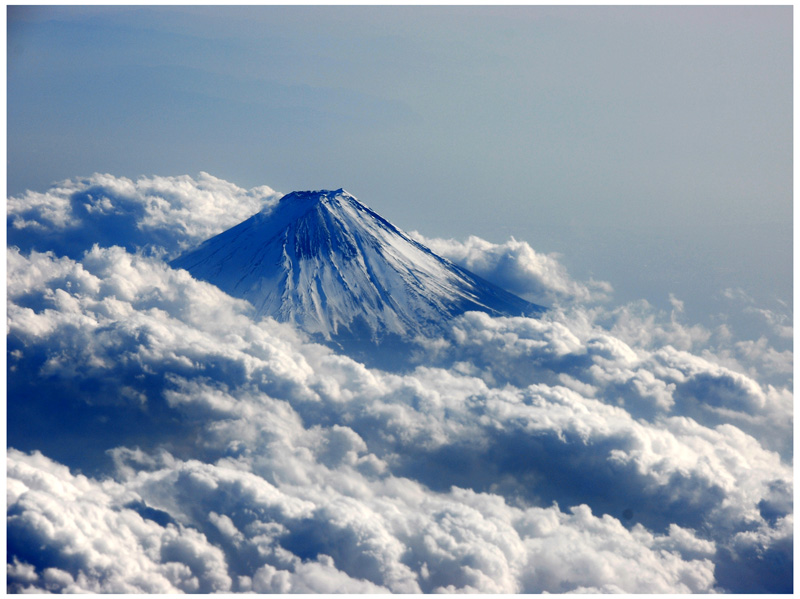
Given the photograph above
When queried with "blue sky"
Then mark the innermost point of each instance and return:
(651, 147)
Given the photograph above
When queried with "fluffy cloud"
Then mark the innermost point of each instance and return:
(91, 543)
(161, 214)
(516, 266)
(160, 531)
(191, 448)
(568, 349)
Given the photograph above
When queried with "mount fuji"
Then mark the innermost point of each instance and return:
(325, 262)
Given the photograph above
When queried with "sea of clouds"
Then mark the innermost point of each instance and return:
(161, 439)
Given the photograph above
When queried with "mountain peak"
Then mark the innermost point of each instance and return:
(327, 263)
(298, 204)
(312, 197)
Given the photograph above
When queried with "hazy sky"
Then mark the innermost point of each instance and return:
(652, 147)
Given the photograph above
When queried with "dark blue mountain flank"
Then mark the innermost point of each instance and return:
(333, 267)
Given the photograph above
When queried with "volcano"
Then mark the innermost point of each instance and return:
(334, 268)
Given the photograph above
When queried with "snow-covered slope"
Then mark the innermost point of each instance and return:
(327, 263)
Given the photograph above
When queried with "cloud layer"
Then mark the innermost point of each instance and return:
(516, 266)
(164, 214)
(161, 440)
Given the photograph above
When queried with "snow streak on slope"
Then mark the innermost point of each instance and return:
(325, 262)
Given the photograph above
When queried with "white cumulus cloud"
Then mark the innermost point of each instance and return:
(161, 214)
(162, 440)
(516, 266)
